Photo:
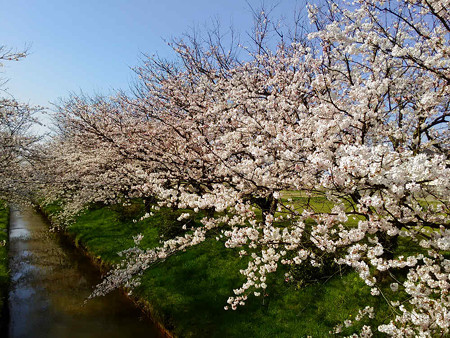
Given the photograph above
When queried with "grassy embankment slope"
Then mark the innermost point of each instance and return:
(4, 271)
(189, 290)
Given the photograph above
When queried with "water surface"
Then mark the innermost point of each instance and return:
(50, 281)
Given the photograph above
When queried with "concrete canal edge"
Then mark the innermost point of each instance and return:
(5, 280)
(145, 306)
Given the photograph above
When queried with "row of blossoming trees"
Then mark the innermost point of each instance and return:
(17, 144)
(356, 111)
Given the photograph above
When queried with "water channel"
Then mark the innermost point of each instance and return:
(50, 280)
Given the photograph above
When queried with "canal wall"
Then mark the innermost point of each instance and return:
(4, 269)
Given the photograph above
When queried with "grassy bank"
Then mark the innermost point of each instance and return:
(189, 290)
(4, 271)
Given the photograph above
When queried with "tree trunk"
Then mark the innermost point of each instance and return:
(389, 243)
(268, 205)
(148, 202)
(210, 212)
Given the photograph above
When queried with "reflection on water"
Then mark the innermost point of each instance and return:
(49, 283)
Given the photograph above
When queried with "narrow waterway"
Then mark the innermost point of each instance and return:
(50, 281)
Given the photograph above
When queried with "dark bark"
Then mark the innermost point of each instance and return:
(268, 205)
(148, 202)
(210, 212)
(389, 243)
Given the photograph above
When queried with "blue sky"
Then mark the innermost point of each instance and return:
(91, 45)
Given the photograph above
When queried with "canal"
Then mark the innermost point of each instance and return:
(50, 281)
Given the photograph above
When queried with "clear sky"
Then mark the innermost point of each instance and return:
(90, 45)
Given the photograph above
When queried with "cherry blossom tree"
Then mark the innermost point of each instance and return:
(16, 142)
(356, 112)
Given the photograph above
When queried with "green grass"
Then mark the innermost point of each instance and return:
(4, 271)
(189, 290)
